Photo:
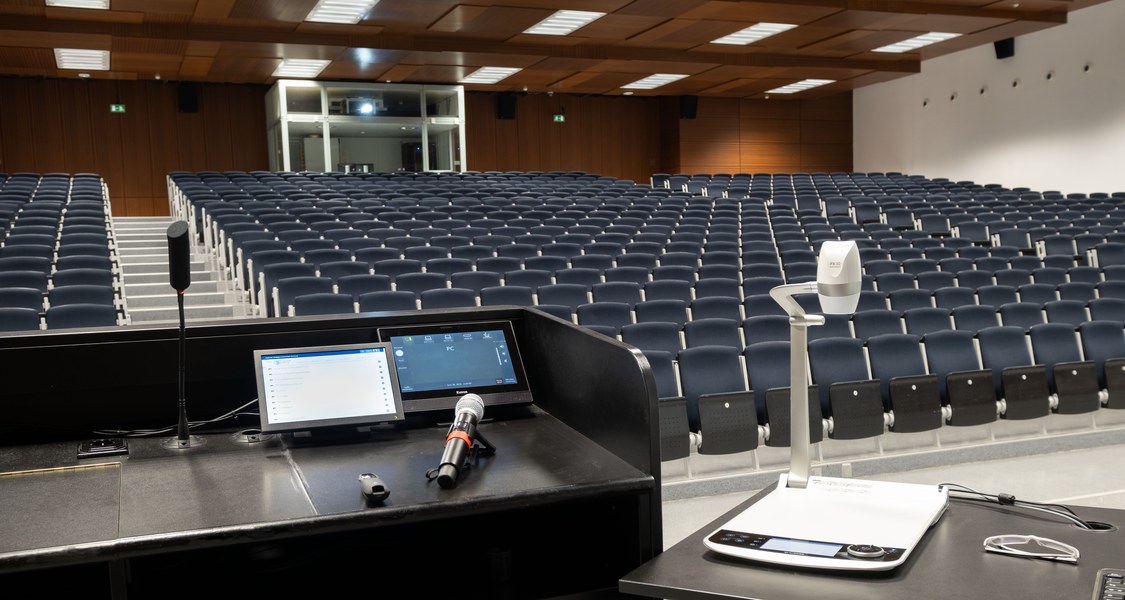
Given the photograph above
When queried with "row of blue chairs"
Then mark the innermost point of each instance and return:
(895, 382)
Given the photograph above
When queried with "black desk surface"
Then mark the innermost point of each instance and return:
(57, 510)
(949, 564)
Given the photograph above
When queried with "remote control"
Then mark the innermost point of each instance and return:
(1110, 585)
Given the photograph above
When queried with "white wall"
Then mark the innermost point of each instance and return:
(1066, 133)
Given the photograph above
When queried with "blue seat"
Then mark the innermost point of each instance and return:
(418, 282)
(563, 294)
(1077, 290)
(757, 286)
(1037, 293)
(670, 310)
(1015, 376)
(323, 303)
(626, 292)
(451, 297)
(1072, 379)
(869, 323)
(668, 289)
(20, 318)
(448, 266)
(708, 370)
(354, 285)
(81, 315)
(846, 391)
(724, 307)
(909, 392)
(375, 255)
(631, 274)
(997, 295)
(713, 331)
(1070, 312)
(889, 282)
(767, 368)
(336, 269)
(1107, 309)
(765, 328)
(920, 321)
(660, 336)
(906, 299)
(1021, 314)
(269, 276)
(40, 264)
(387, 301)
(1104, 343)
(530, 278)
(614, 315)
(289, 288)
(583, 276)
(951, 355)
(515, 295)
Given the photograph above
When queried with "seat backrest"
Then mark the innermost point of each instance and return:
(662, 336)
(81, 315)
(920, 321)
(767, 367)
(610, 314)
(323, 303)
(950, 351)
(507, 294)
(1070, 312)
(1054, 343)
(387, 300)
(354, 285)
(1107, 309)
(1101, 341)
(836, 360)
(894, 355)
(869, 323)
(1002, 347)
(563, 294)
(19, 318)
(713, 331)
(452, 297)
(675, 311)
(707, 370)
(996, 295)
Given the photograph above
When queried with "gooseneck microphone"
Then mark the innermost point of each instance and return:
(179, 275)
(459, 440)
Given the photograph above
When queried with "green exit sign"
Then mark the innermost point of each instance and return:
(560, 118)
(116, 108)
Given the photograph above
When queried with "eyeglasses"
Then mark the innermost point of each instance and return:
(1031, 546)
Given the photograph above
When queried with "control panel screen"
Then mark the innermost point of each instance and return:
(438, 363)
(801, 547)
(326, 386)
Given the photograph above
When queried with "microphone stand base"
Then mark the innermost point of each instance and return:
(175, 443)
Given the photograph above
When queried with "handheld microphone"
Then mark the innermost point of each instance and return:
(459, 440)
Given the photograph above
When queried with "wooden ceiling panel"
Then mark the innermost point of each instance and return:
(760, 12)
(267, 10)
(439, 41)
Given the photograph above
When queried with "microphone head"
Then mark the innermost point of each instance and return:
(838, 277)
(471, 403)
(179, 256)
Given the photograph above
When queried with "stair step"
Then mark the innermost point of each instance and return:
(129, 268)
(162, 276)
(168, 299)
(163, 287)
(172, 314)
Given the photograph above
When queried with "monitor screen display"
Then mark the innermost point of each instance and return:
(439, 363)
(327, 386)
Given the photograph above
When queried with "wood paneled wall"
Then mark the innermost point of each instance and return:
(608, 135)
(64, 125)
(766, 136)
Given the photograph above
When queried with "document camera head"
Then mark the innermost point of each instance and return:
(838, 277)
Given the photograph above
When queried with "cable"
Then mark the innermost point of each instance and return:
(237, 412)
(1010, 500)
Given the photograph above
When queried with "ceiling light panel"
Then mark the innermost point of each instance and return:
(300, 68)
(800, 86)
(78, 58)
(917, 42)
(488, 75)
(564, 22)
(753, 33)
(340, 11)
(96, 4)
(653, 81)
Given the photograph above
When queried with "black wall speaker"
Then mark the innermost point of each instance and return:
(1005, 48)
(689, 105)
(506, 106)
(189, 97)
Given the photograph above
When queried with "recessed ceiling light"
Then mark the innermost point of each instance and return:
(77, 58)
(564, 22)
(490, 74)
(917, 42)
(340, 11)
(97, 4)
(84, 75)
(300, 67)
(800, 86)
(753, 33)
(653, 81)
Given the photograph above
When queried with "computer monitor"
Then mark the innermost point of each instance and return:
(439, 363)
(323, 387)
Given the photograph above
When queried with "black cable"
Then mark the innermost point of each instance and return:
(1010, 500)
(237, 412)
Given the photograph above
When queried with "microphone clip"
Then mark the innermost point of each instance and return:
(481, 447)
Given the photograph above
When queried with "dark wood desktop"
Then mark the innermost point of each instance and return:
(569, 502)
(949, 563)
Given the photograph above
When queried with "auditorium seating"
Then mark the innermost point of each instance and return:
(669, 269)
